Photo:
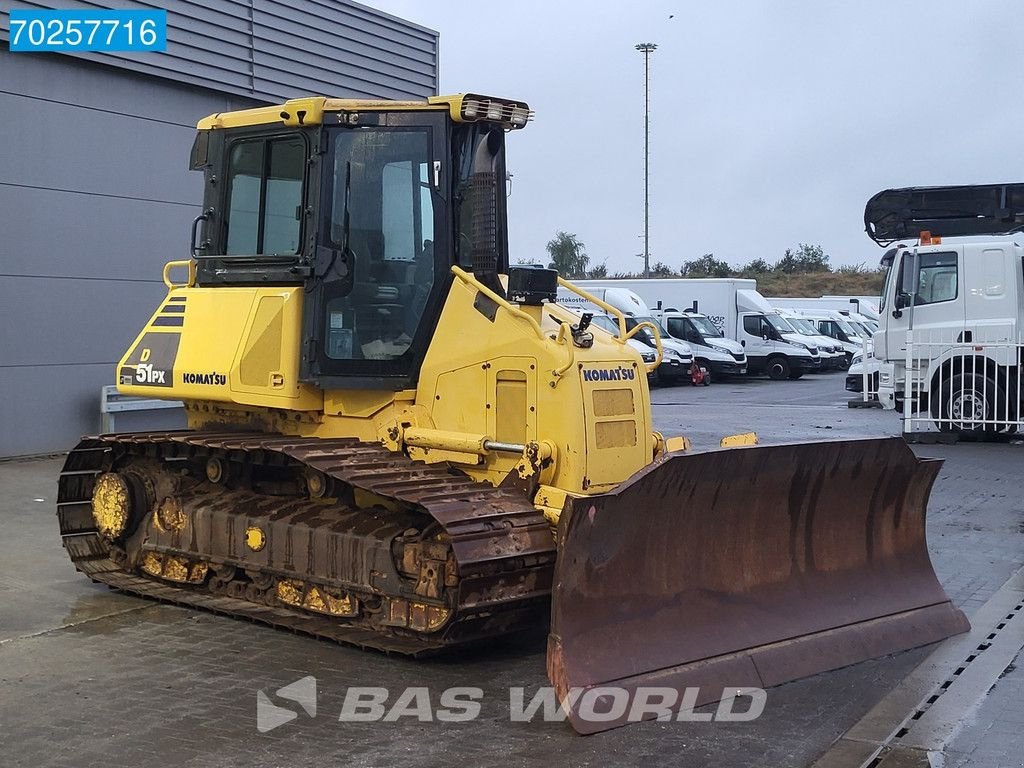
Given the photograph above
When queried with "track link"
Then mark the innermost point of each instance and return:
(503, 546)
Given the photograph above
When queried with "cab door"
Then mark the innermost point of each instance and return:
(752, 331)
(933, 304)
(383, 251)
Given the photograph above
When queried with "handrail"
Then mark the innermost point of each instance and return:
(657, 344)
(189, 264)
(501, 301)
(614, 311)
(620, 317)
(565, 338)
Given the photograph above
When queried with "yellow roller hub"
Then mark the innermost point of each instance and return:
(255, 539)
(111, 505)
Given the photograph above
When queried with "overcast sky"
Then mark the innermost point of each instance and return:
(772, 123)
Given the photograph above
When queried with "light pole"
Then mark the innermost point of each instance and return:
(646, 49)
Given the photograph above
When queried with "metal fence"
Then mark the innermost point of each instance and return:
(869, 373)
(965, 382)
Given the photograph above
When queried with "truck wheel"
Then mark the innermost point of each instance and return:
(778, 368)
(969, 399)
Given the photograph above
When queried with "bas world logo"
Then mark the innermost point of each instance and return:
(270, 716)
(462, 704)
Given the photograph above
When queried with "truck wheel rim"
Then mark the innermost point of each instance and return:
(968, 407)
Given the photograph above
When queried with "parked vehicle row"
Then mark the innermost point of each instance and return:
(712, 328)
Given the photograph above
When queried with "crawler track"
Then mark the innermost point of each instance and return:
(502, 545)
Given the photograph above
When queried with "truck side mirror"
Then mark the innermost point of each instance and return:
(902, 300)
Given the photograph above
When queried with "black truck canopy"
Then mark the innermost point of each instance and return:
(978, 209)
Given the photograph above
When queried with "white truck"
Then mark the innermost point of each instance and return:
(834, 325)
(864, 305)
(677, 356)
(950, 346)
(735, 307)
(833, 354)
(716, 354)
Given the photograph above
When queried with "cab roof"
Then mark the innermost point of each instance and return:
(309, 110)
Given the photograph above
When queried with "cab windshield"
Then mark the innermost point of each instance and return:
(846, 328)
(779, 324)
(605, 323)
(887, 263)
(706, 327)
(644, 334)
(804, 326)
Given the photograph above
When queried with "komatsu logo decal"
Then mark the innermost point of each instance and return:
(208, 379)
(617, 373)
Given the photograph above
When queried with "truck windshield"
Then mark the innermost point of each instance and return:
(846, 328)
(605, 323)
(644, 334)
(655, 323)
(804, 326)
(779, 324)
(706, 327)
(887, 262)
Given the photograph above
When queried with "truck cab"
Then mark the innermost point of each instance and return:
(945, 294)
(711, 349)
(834, 325)
(772, 345)
(833, 356)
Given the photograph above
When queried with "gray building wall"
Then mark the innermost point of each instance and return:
(95, 195)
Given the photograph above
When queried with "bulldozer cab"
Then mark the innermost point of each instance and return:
(368, 211)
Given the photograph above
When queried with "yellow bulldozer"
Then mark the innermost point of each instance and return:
(397, 440)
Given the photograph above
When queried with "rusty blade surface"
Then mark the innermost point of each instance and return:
(744, 567)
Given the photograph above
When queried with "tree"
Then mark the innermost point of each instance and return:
(661, 269)
(806, 258)
(757, 267)
(568, 255)
(706, 266)
(599, 272)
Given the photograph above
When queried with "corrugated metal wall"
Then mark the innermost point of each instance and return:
(95, 194)
(273, 50)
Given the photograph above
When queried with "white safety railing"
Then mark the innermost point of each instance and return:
(862, 379)
(113, 402)
(970, 383)
(869, 373)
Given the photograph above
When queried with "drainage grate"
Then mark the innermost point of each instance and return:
(927, 704)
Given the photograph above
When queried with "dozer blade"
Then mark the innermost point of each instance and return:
(742, 567)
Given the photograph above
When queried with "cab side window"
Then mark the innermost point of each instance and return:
(752, 324)
(938, 280)
(264, 210)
